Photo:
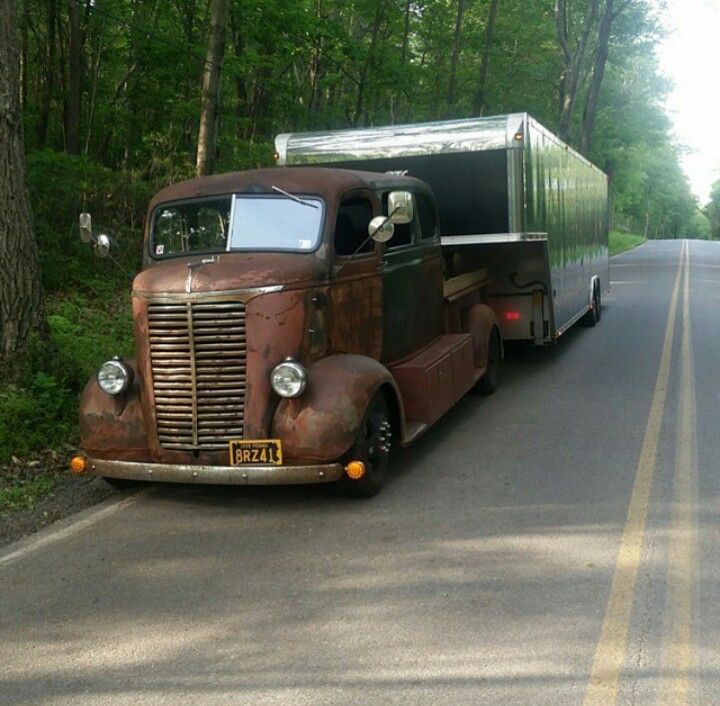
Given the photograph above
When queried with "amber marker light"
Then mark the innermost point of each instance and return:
(77, 465)
(355, 470)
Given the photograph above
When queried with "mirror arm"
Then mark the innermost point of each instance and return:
(365, 242)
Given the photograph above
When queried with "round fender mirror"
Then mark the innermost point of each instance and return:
(102, 245)
(381, 229)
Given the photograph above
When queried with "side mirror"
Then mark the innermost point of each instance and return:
(85, 227)
(102, 245)
(381, 229)
(400, 207)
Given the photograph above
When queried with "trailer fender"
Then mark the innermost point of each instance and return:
(322, 424)
(113, 426)
(479, 320)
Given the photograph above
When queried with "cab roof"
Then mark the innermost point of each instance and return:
(328, 183)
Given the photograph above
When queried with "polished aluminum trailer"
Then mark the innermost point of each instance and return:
(513, 199)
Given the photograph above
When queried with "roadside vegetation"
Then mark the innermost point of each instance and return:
(110, 98)
(620, 242)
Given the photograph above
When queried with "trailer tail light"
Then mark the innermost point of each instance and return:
(512, 316)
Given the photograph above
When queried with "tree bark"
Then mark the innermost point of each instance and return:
(455, 58)
(211, 88)
(598, 73)
(22, 309)
(72, 121)
(479, 101)
(573, 57)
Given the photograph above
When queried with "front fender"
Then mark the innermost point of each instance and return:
(322, 424)
(113, 427)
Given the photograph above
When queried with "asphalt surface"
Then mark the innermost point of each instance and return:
(552, 544)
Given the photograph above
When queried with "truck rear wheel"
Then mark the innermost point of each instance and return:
(372, 446)
(490, 382)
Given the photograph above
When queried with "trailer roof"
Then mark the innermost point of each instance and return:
(496, 132)
(469, 135)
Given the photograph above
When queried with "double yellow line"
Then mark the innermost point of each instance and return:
(611, 648)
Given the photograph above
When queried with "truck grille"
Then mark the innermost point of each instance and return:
(197, 352)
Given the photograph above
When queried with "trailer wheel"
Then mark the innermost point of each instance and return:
(593, 316)
(372, 446)
(490, 382)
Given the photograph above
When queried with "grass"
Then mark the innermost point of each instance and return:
(24, 493)
(620, 242)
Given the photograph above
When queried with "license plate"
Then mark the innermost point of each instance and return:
(253, 452)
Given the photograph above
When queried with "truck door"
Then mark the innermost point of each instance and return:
(355, 324)
(412, 283)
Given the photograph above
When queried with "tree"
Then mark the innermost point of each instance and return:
(479, 99)
(713, 211)
(22, 310)
(211, 88)
(573, 50)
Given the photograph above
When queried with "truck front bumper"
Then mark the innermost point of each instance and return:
(216, 475)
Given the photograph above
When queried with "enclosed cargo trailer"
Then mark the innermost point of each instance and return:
(512, 198)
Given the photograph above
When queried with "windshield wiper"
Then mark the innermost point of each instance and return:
(294, 198)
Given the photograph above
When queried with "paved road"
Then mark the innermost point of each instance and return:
(554, 544)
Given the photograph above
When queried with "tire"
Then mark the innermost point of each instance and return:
(593, 316)
(372, 446)
(121, 483)
(490, 382)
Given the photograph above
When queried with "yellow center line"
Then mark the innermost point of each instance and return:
(682, 552)
(610, 652)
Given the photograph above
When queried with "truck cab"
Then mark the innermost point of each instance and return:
(291, 325)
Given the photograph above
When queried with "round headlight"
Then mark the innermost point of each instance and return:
(288, 379)
(114, 377)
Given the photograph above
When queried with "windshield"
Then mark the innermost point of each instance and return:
(246, 222)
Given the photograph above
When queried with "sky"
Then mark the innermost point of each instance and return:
(690, 57)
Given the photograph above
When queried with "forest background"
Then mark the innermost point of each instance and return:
(117, 97)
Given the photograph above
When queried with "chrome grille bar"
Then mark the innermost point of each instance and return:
(198, 356)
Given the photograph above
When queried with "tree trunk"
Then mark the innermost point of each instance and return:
(406, 33)
(598, 73)
(573, 58)
(49, 77)
(368, 64)
(22, 309)
(479, 102)
(211, 88)
(24, 55)
(454, 58)
(72, 122)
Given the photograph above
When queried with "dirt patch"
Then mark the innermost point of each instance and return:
(36, 492)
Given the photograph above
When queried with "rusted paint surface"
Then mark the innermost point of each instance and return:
(113, 427)
(322, 424)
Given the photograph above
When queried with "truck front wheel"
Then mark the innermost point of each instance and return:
(372, 446)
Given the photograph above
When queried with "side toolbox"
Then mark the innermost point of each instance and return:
(434, 379)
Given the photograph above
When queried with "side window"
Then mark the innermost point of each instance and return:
(426, 214)
(351, 228)
(404, 231)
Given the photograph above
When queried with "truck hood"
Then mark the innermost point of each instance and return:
(230, 271)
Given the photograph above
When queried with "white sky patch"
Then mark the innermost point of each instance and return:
(690, 57)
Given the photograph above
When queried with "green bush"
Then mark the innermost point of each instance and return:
(61, 187)
(42, 411)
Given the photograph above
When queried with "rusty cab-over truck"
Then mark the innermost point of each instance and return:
(294, 325)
